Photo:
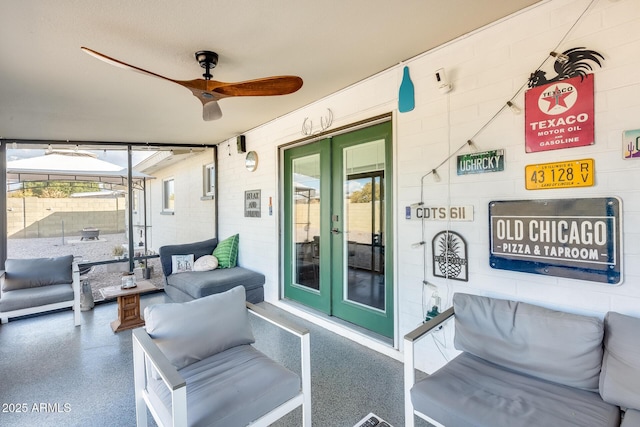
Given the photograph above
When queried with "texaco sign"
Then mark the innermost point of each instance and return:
(560, 115)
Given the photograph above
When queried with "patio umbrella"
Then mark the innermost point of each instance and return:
(76, 165)
(69, 165)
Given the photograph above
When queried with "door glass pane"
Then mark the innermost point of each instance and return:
(363, 237)
(306, 220)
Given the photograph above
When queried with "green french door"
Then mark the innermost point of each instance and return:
(336, 236)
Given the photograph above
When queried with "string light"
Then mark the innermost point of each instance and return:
(472, 146)
(416, 205)
(514, 107)
(417, 245)
(560, 57)
(436, 177)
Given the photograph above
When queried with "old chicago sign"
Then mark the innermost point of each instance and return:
(571, 173)
(574, 238)
(487, 161)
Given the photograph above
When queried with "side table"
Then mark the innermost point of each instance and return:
(129, 315)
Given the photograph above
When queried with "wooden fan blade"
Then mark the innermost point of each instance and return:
(120, 64)
(268, 86)
(209, 92)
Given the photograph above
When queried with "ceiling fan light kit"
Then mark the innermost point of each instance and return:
(208, 91)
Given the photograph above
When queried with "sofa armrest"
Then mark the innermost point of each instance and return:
(409, 357)
(146, 351)
(305, 353)
(1, 282)
(276, 320)
(428, 326)
(168, 372)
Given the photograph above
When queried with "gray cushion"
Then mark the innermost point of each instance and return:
(232, 388)
(620, 377)
(471, 392)
(631, 419)
(35, 272)
(198, 249)
(192, 331)
(549, 344)
(202, 283)
(35, 297)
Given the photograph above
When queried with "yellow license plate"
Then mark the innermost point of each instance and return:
(571, 173)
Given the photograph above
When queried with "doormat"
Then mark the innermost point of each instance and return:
(372, 420)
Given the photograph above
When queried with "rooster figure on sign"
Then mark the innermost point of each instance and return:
(572, 63)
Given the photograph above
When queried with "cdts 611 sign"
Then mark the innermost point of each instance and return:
(573, 238)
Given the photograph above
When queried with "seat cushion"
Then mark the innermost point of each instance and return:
(199, 284)
(552, 345)
(620, 376)
(35, 297)
(631, 418)
(35, 272)
(232, 388)
(471, 392)
(192, 331)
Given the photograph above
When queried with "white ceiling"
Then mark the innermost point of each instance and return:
(51, 90)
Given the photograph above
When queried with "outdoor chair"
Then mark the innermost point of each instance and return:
(194, 365)
(36, 285)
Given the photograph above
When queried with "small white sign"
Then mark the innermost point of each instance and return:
(440, 213)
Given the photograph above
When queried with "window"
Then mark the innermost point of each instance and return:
(209, 180)
(168, 195)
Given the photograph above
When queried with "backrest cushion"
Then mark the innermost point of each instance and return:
(198, 249)
(552, 345)
(227, 252)
(620, 376)
(35, 272)
(192, 331)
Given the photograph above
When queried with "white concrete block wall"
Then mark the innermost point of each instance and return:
(486, 69)
(193, 219)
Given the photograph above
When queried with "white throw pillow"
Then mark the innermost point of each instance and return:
(205, 263)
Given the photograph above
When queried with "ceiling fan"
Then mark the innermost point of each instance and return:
(208, 91)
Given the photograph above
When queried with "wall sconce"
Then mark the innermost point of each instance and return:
(241, 143)
(441, 80)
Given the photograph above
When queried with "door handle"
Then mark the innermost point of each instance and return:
(335, 231)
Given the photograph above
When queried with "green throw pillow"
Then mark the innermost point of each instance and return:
(227, 252)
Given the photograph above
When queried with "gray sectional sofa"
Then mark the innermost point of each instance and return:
(190, 285)
(524, 366)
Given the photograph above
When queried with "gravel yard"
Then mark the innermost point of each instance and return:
(99, 276)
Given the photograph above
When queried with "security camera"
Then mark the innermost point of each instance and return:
(441, 80)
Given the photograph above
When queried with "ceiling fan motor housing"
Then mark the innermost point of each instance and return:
(207, 60)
